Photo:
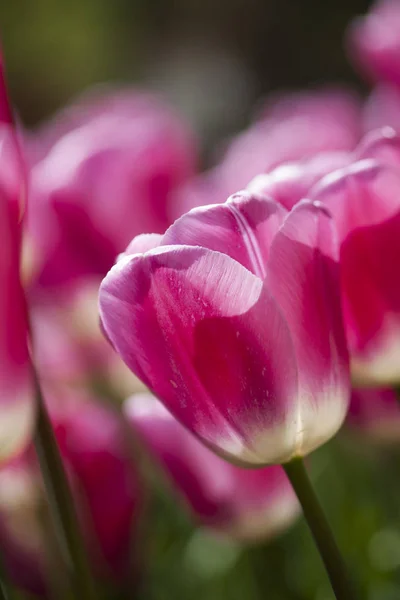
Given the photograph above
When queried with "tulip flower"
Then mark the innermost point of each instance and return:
(364, 200)
(284, 132)
(105, 488)
(233, 320)
(102, 172)
(374, 42)
(16, 398)
(243, 503)
(376, 413)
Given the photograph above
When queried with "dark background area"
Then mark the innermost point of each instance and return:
(212, 59)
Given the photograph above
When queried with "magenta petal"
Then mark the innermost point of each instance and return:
(303, 276)
(6, 116)
(364, 200)
(205, 336)
(242, 228)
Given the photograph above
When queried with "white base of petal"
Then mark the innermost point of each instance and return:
(266, 523)
(17, 419)
(316, 421)
(380, 367)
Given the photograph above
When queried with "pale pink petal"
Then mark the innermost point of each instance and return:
(242, 228)
(383, 145)
(303, 276)
(142, 243)
(204, 335)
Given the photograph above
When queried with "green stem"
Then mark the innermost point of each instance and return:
(3, 592)
(323, 537)
(61, 501)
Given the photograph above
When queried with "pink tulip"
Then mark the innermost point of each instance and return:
(284, 132)
(106, 492)
(233, 320)
(249, 504)
(103, 172)
(364, 199)
(374, 42)
(16, 399)
(376, 413)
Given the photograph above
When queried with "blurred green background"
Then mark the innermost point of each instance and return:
(214, 60)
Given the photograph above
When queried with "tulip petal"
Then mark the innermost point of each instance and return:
(364, 200)
(141, 244)
(303, 276)
(206, 337)
(16, 400)
(242, 228)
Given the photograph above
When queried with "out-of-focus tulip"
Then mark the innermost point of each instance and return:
(374, 42)
(234, 322)
(106, 492)
(250, 504)
(284, 132)
(382, 108)
(16, 398)
(102, 173)
(70, 348)
(376, 413)
(364, 199)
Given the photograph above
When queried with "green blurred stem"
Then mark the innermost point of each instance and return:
(61, 502)
(3, 592)
(322, 534)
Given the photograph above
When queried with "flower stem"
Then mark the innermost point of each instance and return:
(61, 502)
(323, 537)
(3, 592)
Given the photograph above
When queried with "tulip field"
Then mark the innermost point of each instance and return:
(200, 348)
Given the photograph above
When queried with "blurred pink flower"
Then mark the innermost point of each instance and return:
(234, 321)
(249, 504)
(106, 490)
(364, 199)
(102, 172)
(291, 127)
(376, 413)
(374, 42)
(382, 108)
(16, 397)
